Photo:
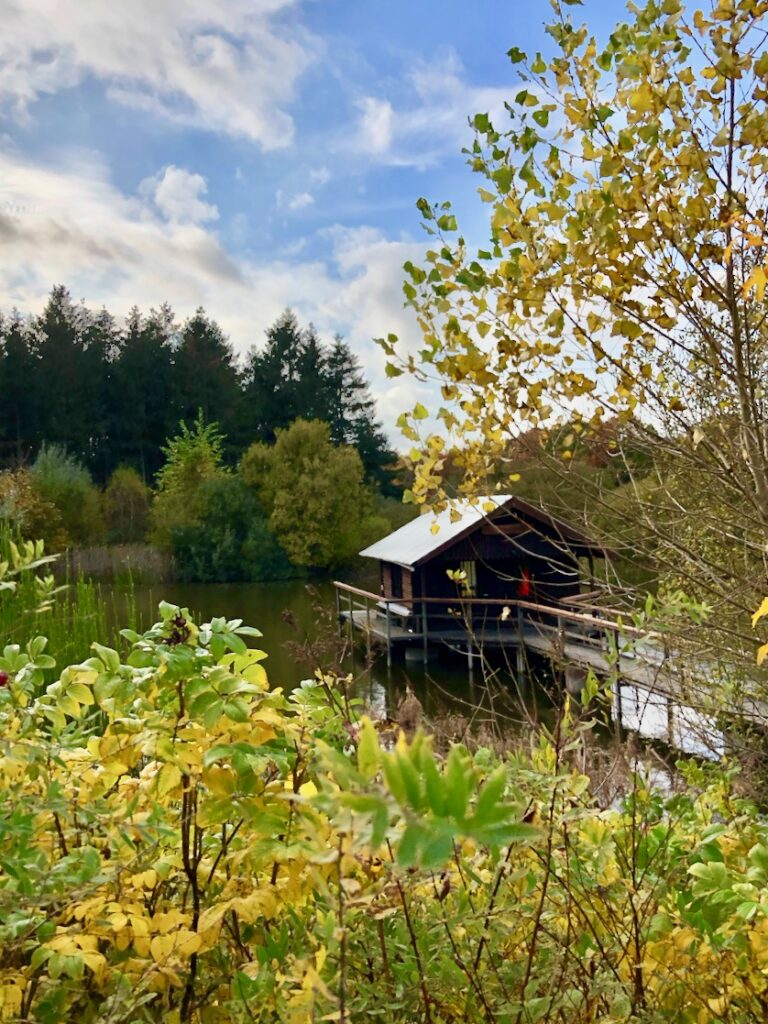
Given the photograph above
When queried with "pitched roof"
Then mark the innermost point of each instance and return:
(418, 541)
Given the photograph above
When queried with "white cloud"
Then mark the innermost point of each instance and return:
(376, 125)
(420, 133)
(300, 201)
(319, 175)
(69, 224)
(177, 195)
(226, 67)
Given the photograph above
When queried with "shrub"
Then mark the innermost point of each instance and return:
(315, 496)
(126, 507)
(230, 539)
(27, 512)
(65, 483)
(181, 843)
(193, 457)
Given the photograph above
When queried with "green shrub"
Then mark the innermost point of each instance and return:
(182, 844)
(126, 507)
(230, 539)
(65, 483)
(193, 457)
(315, 496)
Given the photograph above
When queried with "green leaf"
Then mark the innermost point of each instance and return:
(420, 412)
(490, 797)
(368, 750)
(408, 847)
(459, 782)
(447, 222)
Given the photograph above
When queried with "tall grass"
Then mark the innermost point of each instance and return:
(79, 614)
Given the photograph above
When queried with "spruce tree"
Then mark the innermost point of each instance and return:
(352, 414)
(145, 401)
(19, 423)
(206, 373)
(271, 399)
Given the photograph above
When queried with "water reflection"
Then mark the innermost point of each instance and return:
(299, 629)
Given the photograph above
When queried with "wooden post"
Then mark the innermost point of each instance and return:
(389, 638)
(424, 631)
(339, 620)
(351, 625)
(368, 628)
(469, 659)
(520, 663)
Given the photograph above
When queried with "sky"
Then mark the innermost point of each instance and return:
(248, 155)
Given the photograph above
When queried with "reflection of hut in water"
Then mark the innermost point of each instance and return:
(503, 547)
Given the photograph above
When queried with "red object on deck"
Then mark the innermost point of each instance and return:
(524, 586)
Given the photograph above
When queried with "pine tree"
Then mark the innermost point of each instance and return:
(352, 414)
(19, 426)
(206, 373)
(270, 395)
(70, 383)
(311, 389)
(145, 401)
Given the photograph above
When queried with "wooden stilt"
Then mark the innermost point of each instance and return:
(389, 637)
(520, 663)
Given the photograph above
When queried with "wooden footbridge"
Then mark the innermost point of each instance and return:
(653, 693)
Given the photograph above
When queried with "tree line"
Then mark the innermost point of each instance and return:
(112, 392)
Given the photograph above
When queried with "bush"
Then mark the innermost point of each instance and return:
(181, 843)
(126, 507)
(193, 457)
(26, 512)
(315, 496)
(65, 483)
(230, 539)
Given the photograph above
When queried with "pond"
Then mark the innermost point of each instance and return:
(300, 631)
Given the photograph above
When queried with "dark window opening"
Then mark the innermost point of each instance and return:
(396, 576)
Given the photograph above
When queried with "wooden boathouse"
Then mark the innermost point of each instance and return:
(499, 572)
(456, 577)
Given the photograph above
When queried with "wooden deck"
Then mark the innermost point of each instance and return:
(652, 693)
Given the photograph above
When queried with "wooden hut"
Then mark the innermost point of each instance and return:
(505, 547)
(479, 554)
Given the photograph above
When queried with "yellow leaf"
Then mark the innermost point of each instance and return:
(220, 779)
(145, 879)
(182, 943)
(761, 612)
(641, 99)
(762, 654)
(168, 779)
(757, 282)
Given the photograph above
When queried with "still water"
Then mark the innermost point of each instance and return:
(300, 632)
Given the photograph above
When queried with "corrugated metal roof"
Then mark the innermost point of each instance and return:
(416, 540)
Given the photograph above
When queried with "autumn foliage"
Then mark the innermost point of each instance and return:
(182, 843)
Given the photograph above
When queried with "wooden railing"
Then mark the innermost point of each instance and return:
(558, 610)
(350, 599)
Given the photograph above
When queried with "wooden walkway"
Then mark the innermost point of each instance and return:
(653, 694)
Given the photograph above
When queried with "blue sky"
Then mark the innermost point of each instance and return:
(246, 155)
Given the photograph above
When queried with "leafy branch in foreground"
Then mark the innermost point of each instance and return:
(182, 843)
